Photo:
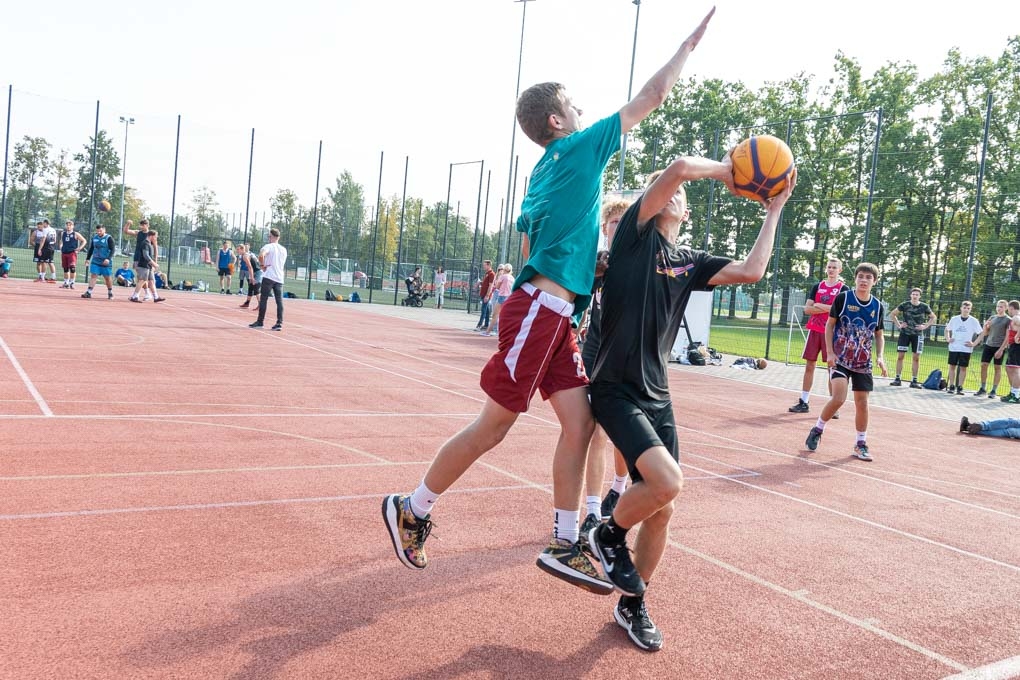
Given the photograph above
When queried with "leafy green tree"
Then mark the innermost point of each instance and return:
(29, 165)
(106, 173)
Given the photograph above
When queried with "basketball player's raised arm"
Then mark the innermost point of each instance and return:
(681, 170)
(753, 267)
(655, 91)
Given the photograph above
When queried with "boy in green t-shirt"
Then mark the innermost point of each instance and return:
(537, 347)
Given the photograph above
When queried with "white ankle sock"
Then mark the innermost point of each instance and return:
(594, 504)
(619, 484)
(820, 424)
(565, 524)
(804, 396)
(862, 437)
(422, 501)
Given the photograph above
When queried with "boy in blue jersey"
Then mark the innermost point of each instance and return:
(537, 347)
(852, 334)
(100, 261)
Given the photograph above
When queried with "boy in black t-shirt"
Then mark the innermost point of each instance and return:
(647, 286)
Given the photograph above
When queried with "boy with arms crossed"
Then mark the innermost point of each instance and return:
(537, 347)
(648, 284)
(851, 331)
(917, 318)
(993, 334)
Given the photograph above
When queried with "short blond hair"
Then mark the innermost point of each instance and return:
(613, 208)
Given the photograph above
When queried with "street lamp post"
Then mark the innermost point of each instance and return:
(123, 177)
(513, 135)
(630, 87)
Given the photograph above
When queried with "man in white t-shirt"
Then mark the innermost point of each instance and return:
(273, 258)
(960, 333)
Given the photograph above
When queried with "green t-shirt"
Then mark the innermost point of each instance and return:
(560, 213)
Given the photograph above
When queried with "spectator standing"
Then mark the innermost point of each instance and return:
(225, 260)
(993, 334)
(917, 318)
(819, 302)
(44, 242)
(485, 295)
(439, 286)
(71, 243)
(273, 260)
(251, 273)
(961, 331)
(504, 282)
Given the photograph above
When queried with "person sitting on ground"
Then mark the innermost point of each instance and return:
(5, 264)
(1008, 428)
(125, 276)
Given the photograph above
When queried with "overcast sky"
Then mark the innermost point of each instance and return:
(433, 81)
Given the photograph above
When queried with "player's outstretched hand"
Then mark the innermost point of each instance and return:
(777, 202)
(694, 38)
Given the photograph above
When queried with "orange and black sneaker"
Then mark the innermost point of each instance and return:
(407, 532)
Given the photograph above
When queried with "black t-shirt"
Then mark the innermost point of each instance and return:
(594, 336)
(141, 238)
(647, 286)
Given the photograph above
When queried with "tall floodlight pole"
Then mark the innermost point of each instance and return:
(513, 133)
(630, 87)
(123, 177)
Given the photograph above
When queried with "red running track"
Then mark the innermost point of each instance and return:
(181, 496)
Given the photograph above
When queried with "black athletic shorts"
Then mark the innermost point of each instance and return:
(961, 359)
(912, 341)
(224, 271)
(860, 382)
(633, 423)
(988, 356)
(1013, 355)
(45, 255)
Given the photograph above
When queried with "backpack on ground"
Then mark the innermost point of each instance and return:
(354, 297)
(933, 381)
(695, 355)
(330, 296)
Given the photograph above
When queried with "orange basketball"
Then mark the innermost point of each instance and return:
(760, 166)
(104, 206)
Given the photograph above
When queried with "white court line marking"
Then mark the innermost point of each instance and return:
(707, 558)
(221, 506)
(729, 405)
(999, 670)
(204, 471)
(753, 447)
(801, 596)
(25, 379)
(279, 337)
(868, 522)
(837, 468)
(272, 416)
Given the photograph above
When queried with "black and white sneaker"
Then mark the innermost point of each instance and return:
(616, 563)
(896, 382)
(609, 504)
(277, 327)
(800, 407)
(964, 424)
(87, 294)
(814, 436)
(632, 615)
(257, 324)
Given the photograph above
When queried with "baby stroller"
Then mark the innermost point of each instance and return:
(415, 295)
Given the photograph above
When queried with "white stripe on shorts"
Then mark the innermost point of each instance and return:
(522, 336)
